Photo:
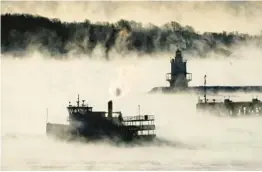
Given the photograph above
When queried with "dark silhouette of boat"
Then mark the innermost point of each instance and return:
(95, 125)
(228, 107)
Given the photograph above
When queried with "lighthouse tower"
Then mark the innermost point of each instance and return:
(178, 78)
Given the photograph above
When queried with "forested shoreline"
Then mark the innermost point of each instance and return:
(19, 31)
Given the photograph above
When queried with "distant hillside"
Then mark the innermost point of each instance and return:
(21, 30)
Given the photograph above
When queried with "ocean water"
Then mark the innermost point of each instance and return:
(188, 140)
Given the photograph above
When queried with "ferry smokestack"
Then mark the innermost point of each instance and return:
(110, 109)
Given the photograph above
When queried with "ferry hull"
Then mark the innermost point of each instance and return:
(67, 132)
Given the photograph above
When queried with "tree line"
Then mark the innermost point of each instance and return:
(19, 31)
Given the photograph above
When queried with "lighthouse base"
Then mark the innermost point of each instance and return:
(208, 89)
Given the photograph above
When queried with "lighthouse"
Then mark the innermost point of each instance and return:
(178, 78)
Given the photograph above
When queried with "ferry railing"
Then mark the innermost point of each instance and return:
(141, 127)
(139, 118)
(212, 100)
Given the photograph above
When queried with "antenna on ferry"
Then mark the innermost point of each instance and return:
(205, 96)
(77, 100)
